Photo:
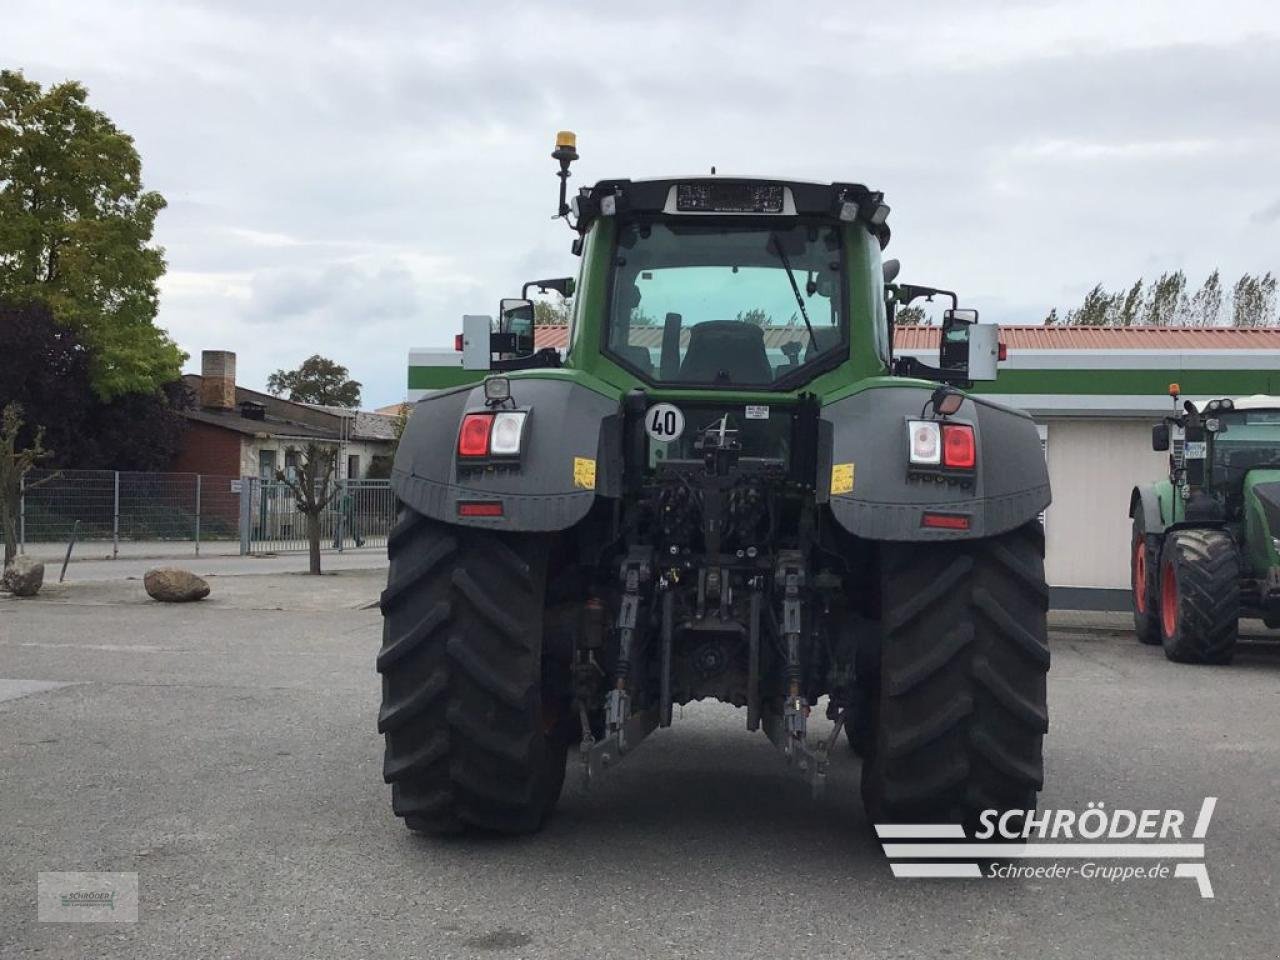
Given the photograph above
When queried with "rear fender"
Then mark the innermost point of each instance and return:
(1145, 502)
(572, 454)
(871, 495)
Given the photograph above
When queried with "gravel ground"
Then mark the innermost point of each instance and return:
(226, 752)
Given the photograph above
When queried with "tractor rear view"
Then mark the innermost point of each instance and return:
(727, 488)
(1205, 549)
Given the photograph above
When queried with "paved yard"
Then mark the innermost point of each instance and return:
(226, 753)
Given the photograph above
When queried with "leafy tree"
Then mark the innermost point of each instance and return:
(1253, 301)
(1096, 310)
(551, 312)
(910, 316)
(318, 380)
(313, 486)
(755, 316)
(1166, 304)
(15, 462)
(1206, 305)
(75, 232)
(48, 370)
(1128, 307)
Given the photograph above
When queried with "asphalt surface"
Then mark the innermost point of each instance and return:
(226, 752)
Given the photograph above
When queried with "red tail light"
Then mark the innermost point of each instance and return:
(958, 447)
(473, 436)
(457, 342)
(480, 508)
(945, 521)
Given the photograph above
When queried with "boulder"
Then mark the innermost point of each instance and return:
(24, 577)
(174, 586)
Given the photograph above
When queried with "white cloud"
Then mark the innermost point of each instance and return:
(350, 180)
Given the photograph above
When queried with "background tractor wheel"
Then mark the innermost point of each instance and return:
(1199, 596)
(960, 711)
(1144, 581)
(469, 739)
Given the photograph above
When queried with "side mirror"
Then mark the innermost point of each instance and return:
(515, 317)
(969, 349)
(1160, 437)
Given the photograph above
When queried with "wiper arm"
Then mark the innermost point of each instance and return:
(795, 288)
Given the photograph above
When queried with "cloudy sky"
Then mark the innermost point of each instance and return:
(349, 178)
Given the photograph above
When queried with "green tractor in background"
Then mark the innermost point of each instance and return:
(727, 488)
(1206, 541)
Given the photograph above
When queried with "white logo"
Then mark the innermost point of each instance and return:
(1093, 835)
(664, 422)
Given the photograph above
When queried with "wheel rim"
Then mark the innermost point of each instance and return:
(1168, 601)
(1140, 577)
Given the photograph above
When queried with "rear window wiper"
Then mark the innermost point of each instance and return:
(795, 288)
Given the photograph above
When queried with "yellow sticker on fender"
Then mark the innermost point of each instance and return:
(841, 478)
(584, 473)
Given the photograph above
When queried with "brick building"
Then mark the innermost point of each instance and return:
(236, 432)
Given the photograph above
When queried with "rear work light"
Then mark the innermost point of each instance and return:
(958, 447)
(925, 442)
(473, 435)
(492, 434)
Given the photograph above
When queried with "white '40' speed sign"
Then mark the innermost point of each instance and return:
(664, 422)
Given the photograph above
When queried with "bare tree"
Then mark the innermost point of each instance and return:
(313, 486)
(14, 465)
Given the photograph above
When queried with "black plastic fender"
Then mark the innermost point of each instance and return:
(572, 453)
(871, 494)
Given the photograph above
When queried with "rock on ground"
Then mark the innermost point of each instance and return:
(174, 586)
(24, 576)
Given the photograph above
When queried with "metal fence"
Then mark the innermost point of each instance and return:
(359, 515)
(160, 511)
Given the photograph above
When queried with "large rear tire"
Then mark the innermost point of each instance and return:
(469, 739)
(960, 711)
(1144, 581)
(1199, 597)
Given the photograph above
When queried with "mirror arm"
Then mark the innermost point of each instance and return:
(911, 367)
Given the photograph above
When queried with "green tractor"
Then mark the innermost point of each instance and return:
(1206, 541)
(726, 488)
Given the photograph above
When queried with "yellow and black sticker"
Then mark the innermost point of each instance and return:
(584, 473)
(841, 478)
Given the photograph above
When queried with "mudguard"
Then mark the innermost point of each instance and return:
(871, 495)
(1261, 520)
(1146, 500)
(572, 453)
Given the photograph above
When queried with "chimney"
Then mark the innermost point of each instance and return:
(218, 379)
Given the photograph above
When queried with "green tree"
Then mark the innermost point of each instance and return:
(755, 316)
(1253, 301)
(1166, 304)
(15, 461)
(1098, 308)
(551, 312)
(313, 487)
(318, 380)
(910, 316)
(1206, 305)
(75, 231)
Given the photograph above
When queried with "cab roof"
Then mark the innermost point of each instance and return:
(736, 196)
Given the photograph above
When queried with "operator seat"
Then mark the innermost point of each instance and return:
(728, 346)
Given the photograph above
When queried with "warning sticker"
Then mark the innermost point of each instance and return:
(841, 478)
(584, 473)
(757, 411)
